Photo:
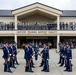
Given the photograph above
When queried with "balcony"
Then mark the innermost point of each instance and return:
(7, 26)
(48, 26)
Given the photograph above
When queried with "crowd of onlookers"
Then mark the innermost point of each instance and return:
(7, 26)
(38, 26)
(46, 26)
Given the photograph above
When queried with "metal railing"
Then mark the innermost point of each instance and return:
(50, 26)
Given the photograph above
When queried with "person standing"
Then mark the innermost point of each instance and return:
(68, 59)
(46, 58)
(28, 58)
(11, 52)
(36, 49)
(15, 53)
(6, 57)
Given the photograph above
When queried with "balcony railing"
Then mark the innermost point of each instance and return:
(8, 26)
(50, 26)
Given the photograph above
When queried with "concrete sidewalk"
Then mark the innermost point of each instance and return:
(54, 67)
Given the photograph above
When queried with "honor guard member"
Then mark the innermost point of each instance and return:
(27, 57)
(11, 53)
(46, 58)
(42, 62)
(31, 54)
(64, 53)
(61, 55)
(68, 59)
(36, 49)
(15, 53)
(6, 58)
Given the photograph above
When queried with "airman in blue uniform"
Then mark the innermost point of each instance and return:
(42, 62)
(36, 49)
(11, 53)
(46, 58)
(6, 58)
(64, 49)
(61, 55)
(15, 53)
(28, 58)
(31, 54)
(68, 59)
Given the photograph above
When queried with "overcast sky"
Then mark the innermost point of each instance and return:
(60, 4)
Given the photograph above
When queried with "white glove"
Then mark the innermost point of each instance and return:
(47, 59)
(63, 56)
(9, 54)
(32, 56)
(13, 55)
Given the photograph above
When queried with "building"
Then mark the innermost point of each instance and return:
(37, 22)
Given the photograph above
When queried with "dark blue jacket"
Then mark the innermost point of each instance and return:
(10, 50)
(30, 51)
(45, 53)
(14, 50)
(5, 52)
(36, 49)
(26, 53)
(69, 53)
(62, 50)
(65, 51)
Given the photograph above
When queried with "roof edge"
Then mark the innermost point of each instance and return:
(37, 3)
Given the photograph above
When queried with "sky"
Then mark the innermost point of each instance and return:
(59, 4)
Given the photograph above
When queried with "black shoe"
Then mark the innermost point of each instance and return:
(69, 70)
(71, 64)
(65, 70)
(10, 71)
(46, 70)
(31, 71)
(33, 66)
(13, 67)
(64, 66)
(60, 65)
(40, 66)
(5, 71)
(17, 63)
(26, 71)
(42, 70)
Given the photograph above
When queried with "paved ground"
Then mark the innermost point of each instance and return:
(54, 67)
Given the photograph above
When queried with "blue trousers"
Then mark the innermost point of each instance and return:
(68, 65)
(46, 65)
(29, 67)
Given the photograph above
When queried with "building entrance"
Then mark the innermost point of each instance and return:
(39, 39)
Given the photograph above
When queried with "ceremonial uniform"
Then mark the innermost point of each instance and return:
(46, 58)
(11, 53)
(61, 56)
(6, 57)
(28, 58)
(31, 55)
(36, 49)
(42, 62)
(15, 54)
(68, 59)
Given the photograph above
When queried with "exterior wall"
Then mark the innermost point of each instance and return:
(67, 19)
(7, 19)
(36, 18)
